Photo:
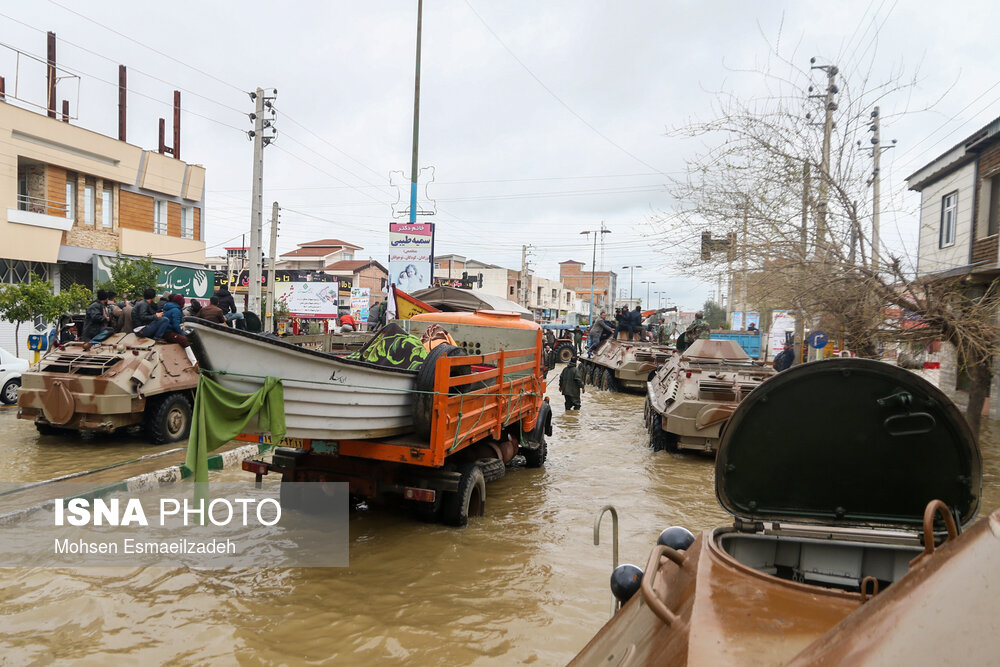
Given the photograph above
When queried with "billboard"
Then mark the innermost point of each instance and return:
(192, 283)
(411, 255)
(359, 303)
(781, 321)
(308, 299)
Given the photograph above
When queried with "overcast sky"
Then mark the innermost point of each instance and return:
(540, 119)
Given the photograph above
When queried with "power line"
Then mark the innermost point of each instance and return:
(556, 97)
(146, 46)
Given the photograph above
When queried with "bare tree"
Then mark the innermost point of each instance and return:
(802, 223)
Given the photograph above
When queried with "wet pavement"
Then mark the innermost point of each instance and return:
(524, 584)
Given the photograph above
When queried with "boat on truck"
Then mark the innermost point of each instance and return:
(690, 398)
(125, 381)
(432, 431)
(847, 480)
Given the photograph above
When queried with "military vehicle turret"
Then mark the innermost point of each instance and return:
(690, 398)
(125, 381)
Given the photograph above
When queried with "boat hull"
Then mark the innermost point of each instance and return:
(326, 397)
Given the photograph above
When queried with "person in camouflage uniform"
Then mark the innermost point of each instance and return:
(698, 329)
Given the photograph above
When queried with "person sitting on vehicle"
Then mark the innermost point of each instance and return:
(145, 314)
(599, 332)
(347, 323)
(228, 305)
(69, 334)
(698, 329)
(173, 314)
(752, 326)
(212, 312)
(635, 323)
(571, 385)
(97, 322)
(193, 309)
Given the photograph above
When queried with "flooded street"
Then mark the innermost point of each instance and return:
(524, 584)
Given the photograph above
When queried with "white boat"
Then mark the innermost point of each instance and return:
(326, 397)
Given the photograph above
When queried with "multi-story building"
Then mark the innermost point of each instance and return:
(363, 273)
(316, 255)
(71, 198)
(605, 284)
(960, 226)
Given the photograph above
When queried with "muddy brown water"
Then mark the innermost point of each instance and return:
(524, 584)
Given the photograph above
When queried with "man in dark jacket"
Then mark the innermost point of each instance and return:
(599, 331)
(635, 322)
(145, 318)
(212, 312)
(571, 385)
(96, 324)
(228, 305)
(173, 314)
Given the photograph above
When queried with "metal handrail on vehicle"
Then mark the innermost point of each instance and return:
(657, 606)
(614, 543)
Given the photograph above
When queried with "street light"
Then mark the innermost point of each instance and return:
(648, 283)
(593, 263)
(631, 278)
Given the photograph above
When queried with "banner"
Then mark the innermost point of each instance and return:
(781, 321)
(192, 283)
(241, 280)
(411, 255)
(408, 306)
(753, 318)
(307, 299)
(359, 303)
(737, 323)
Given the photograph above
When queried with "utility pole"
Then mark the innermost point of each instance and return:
(416, 117)
(830, 105)
(743, 258)
(631, 279)
(877, 149)
(593, 262)
(272, 284)
(522, 293)
(256, 210)
(800, 319)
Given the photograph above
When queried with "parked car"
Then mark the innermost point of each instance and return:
(11, 368)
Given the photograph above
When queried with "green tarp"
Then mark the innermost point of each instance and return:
(221, 414)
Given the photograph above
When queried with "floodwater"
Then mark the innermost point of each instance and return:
(524, 584)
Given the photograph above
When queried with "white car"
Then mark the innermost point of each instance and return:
(11, 368)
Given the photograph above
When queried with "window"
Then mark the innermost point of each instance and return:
(949, 213)
(187, 222)
(70, 196)
(993, 224)
(107, 208)
(511, 290)
(554, 294)
(159, 217)
(347, 256)
(22, 192)
(89, 204)
(437, 265)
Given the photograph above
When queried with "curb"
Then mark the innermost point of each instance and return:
(148, 481)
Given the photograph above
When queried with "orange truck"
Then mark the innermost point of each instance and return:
(476, 405)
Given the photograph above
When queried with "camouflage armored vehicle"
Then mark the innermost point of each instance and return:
(125, 381)
(690, 398)
(624, 365)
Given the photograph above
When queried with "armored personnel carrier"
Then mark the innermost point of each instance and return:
(624, 365)
(690, 398)
(125, 381)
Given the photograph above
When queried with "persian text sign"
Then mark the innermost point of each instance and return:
(308, 299)
(192, 283)
(781, 321)
(360, 299)
(411, 255)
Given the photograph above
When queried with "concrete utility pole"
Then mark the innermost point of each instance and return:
(522, 293)
(256, 210)
(830, 105)
(593, 262)
(800, 319)
(256, 224)
(272, 284)
(877, 149)
(743, 253)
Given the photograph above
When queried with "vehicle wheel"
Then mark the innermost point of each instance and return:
(48, 429)
(289, 494)
(535, 458)
(604, 380)
(469, 500)
(611, 384)
(590, 375)
(168, 418)
(645, 413)
(564, 352)
(660, 440)
(9, 393)
(493, 469)
(423, 403)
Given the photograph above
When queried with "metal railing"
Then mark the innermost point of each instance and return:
(41, 205)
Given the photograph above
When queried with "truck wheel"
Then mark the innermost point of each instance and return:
(565, 352)
(493, 469)
(9, 393)
(660, 440)
(535, 458)
(168, 418)
(289, 495)
(469, 500)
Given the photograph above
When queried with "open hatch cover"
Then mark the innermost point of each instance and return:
(847, 442)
